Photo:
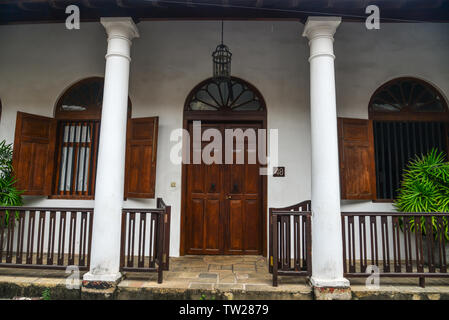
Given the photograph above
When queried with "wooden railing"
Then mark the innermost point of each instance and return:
(290, 226)
(46, 238)
(387, 241)
(146, 232)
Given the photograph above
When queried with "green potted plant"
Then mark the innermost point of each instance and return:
(425, 188)
(9, 195)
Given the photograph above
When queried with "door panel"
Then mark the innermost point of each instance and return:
(195, 214)
(212, 225)
(203, 222)
(243, 191)
(224, 214)
(235, 241)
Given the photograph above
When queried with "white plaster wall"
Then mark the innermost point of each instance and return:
(39, 61)
(368, 58)
(169, 59)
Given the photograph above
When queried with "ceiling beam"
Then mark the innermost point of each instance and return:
(121, 4)
(88, 4)
(21, 5)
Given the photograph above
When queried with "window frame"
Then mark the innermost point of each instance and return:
(91, 114)
(406, 114)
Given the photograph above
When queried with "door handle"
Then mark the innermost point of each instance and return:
(228, 197)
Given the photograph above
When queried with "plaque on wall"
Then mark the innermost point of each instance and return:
(278, 171)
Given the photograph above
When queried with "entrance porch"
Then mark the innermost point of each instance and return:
(208, 278)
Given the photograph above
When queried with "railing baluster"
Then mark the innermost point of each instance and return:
(286, 263)
(131, 236)
(10, 236)
(296, 243)
(442, 240)
(61, 240)
(20, 237)
(89, 245)
(51, 238)
(373, 239)
(72, 237)
(429, 236)
(418, 244)
(142, 233)
(83, 239)
(281, 242)
(303, 255)
(153, 239)
(407, 244)
(40, 236)
(2, 232)
(385, 244)
(362, 238)
(351, 243)
(343, 233)
(396, 245)
(30, 240)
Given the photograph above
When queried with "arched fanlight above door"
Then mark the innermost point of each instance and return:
(234, 95)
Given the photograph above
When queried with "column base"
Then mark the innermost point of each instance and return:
(337, 289)
(100, 278)
(99, 286)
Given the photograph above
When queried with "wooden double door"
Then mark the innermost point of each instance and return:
(224, 201)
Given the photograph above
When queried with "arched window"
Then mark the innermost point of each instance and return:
(410, 117)
(57, 157)
(234, 95)
(78, 115)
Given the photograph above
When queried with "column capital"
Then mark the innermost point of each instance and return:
(318, 27)
(121, 27)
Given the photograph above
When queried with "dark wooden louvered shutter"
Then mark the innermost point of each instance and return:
(141, 155)
(357, 164)
(33, 155)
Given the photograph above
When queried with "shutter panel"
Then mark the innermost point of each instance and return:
(33, 155)
(141, 154)
(357, 164)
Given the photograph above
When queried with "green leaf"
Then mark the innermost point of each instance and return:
(425, 188)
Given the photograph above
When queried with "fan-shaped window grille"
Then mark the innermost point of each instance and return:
(233, 95)
(84, 97)
(407, 95)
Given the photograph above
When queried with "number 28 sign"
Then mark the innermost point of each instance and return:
(279, 172)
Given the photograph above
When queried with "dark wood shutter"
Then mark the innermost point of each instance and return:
(357, 164)
(141, 155)
(33, 156)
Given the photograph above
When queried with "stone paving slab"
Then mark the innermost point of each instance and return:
(217, 277)
(401, 289)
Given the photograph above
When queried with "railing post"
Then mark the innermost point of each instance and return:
(167, 218)
(2, 232)
(122, 240)
(275, 250)
(270, 241)
(309, 244)
(89, 245)
(160, 246)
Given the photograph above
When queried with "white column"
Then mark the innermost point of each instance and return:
(327, 259)
(105, 255)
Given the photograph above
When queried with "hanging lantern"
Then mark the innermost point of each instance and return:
(221, 59)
